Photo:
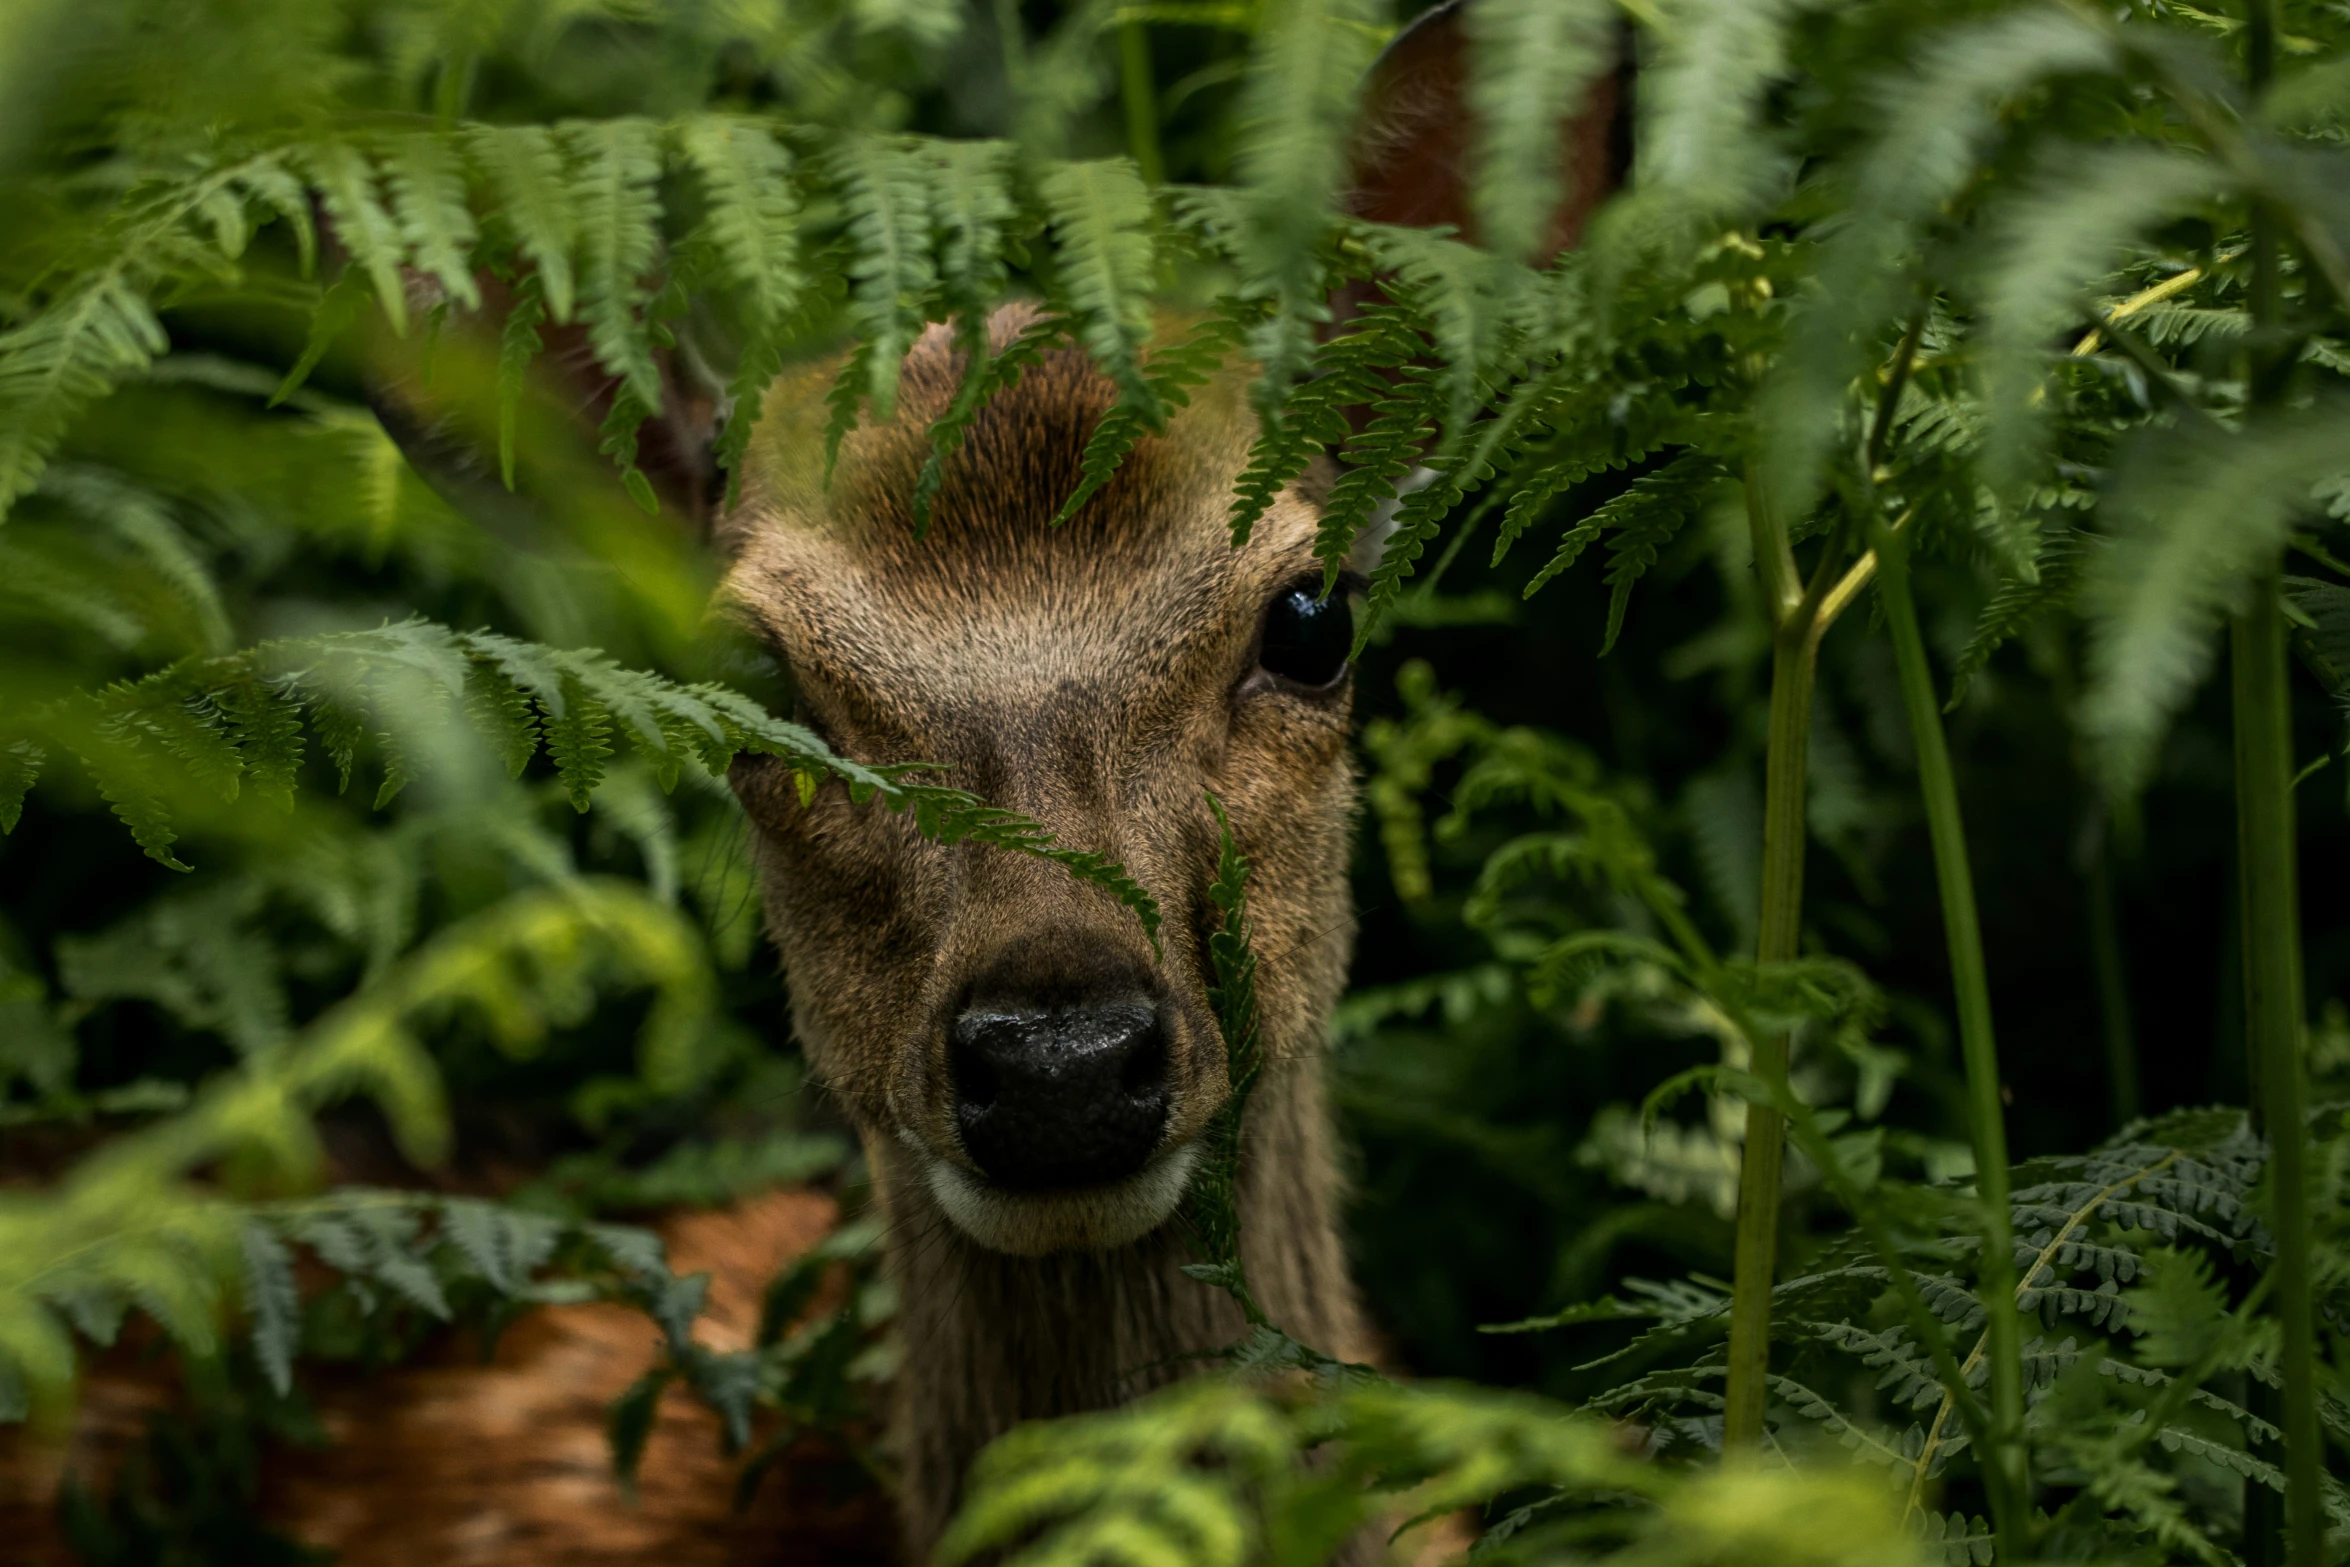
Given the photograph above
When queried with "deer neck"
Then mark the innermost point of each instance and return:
(992, 1340)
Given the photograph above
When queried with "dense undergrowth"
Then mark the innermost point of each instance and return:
(1800, 649)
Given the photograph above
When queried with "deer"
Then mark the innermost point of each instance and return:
(1029, 1079)
(1028, 1075)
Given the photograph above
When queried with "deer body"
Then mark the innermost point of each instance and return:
(1102, 677)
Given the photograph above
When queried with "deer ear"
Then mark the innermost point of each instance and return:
(435, 393)
(1417, 136)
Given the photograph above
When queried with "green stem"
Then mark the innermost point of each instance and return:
(2272, 1026)
(1142, 101)
(2003, 1467)
(2270, 896)
(1794, 660)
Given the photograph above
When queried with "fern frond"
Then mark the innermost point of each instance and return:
(752, 221)
(1349, 370)
(973, 207)
(613, 165)
(746, 391)
(1173, 373)
(1388, 447)
(2049, 243)
(1531, 62)
(2196, 512)
(525, 171)
(518, 344)
(580, 697)
(427, 182)
(70, 354)
(885, 192)
(1479, 308)
(1296, 112)
(1105, 265)
(2017, 604)
(347, 185)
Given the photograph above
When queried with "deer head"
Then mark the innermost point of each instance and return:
(1007, 1029)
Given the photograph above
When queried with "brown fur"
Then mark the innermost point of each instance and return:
(1101, 677)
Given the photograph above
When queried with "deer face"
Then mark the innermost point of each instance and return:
(1004, 1031)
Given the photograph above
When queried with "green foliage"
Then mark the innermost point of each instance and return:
(1211, 1207)
(1217, 1472)
(2041, 289)
(241, 715)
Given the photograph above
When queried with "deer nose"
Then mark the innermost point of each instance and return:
(1059, 1096)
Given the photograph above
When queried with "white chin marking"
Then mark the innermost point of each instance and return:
(1030, 1224)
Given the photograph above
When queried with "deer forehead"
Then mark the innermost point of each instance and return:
(994, 613)
(1137, 606)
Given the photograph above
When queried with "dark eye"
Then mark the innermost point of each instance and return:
(1306, 639)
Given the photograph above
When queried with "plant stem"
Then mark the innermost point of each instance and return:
(1142, 101)
(1800, 612)
(2004, 1468)
(1794, 659)
(2272, 1027)
(2270, 895)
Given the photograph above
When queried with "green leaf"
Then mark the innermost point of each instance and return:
(630, 1423)
(338, 306)
(534, 194)
(274, 1304)
(753, 212)
(1174, 372)
(579, 739)
(1101, 222)
(1297, 110)
(2048, 247)
(2198, 515)
(2017, 604)
(427, 182)
(346, 182)
(984, 375)
(885, 191)
(613, 167)
(20, 765)
(62, 359)
(1531, 63)
(518, 344)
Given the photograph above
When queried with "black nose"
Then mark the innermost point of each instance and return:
(1065, 1094)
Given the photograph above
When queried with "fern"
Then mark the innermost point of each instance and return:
(612, 168)
(887, 195)
(752, 217)
(974, 210)
(983, 377)
(1102, 220)
(1211, 1207)
(1297, 111)
(525, 172)
(69, 354)
(427, 187)
(518, 344)
(349, 189)
(2066, 229)
(1349, 371)
(2017, 603)
(1173, 373)
(581, 699)
(2199, 510)
(1531, 63)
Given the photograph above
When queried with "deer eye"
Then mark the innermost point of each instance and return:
(1307, 638)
